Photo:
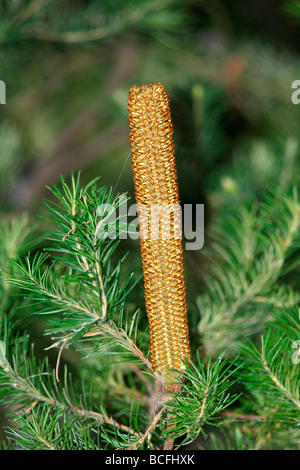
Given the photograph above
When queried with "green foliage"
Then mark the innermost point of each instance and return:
(44, 429)
(79, 288)
(272, 375)
(58, 22)
(204, 395)
(80, 265)
(293, 8)
(87, 383)
(106, 398)
(253, 250)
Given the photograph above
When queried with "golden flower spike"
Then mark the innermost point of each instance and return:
(155, 179)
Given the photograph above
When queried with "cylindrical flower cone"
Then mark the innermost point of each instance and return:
(156, 191)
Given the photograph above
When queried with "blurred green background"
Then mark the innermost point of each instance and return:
(228, 67)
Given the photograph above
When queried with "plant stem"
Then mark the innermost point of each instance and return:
(149, 429)
(169, 442)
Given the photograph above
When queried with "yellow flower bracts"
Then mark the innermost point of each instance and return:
(155, 179)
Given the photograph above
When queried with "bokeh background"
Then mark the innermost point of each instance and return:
(227, 65)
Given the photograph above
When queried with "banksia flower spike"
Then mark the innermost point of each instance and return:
(155, 179)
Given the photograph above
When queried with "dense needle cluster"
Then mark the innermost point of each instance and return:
(155, 178)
